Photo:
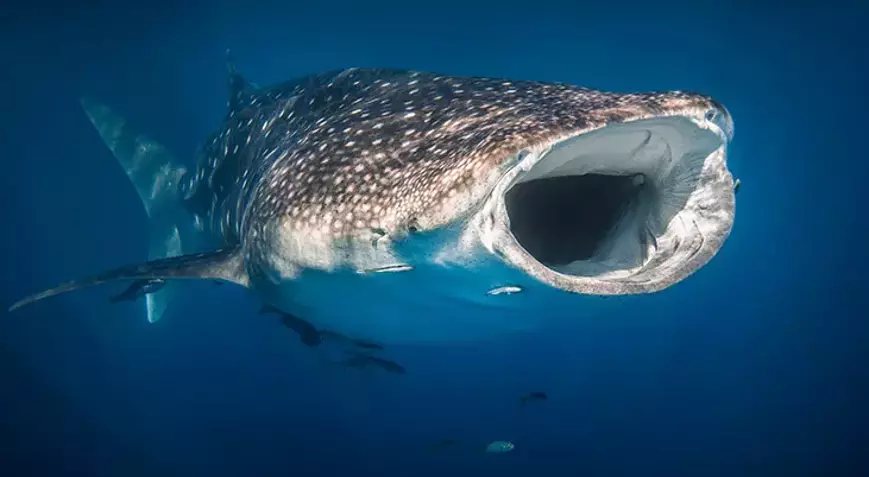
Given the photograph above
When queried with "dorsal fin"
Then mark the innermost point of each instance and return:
(239, 88)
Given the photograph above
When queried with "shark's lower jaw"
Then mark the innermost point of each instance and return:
(630, 208)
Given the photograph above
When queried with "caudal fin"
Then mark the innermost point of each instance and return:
(155, 174)
(224, 264)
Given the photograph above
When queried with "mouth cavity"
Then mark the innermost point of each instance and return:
(630, 208)
(564, 219)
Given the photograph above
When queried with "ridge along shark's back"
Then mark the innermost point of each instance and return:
(406, 206)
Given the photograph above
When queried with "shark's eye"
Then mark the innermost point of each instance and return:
(710, 115)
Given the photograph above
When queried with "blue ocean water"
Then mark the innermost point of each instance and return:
(754, 366)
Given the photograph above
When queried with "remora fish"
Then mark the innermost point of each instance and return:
(139, 288)
(461, 185)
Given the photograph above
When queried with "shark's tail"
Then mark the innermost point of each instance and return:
(156, 174)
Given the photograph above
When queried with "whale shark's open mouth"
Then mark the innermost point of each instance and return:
(629, 208)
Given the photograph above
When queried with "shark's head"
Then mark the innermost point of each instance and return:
(633, 202)
(584, 191)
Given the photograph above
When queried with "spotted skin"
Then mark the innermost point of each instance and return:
(377, 151)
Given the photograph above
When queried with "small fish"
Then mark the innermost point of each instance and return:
(138, 289)
(388, 269)
(500, 447)
(388, 365)
(533, 396)
(340, 338)
(308, 334)
(367, 345)
(505, 290)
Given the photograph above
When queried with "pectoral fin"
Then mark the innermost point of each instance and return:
(223, 264)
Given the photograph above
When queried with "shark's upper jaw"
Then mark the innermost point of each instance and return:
(632, 207)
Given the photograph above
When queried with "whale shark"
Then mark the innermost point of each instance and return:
(403, 206)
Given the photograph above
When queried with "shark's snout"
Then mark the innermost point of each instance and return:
(718, 115)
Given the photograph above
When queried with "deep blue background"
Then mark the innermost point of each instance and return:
(757, 365)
